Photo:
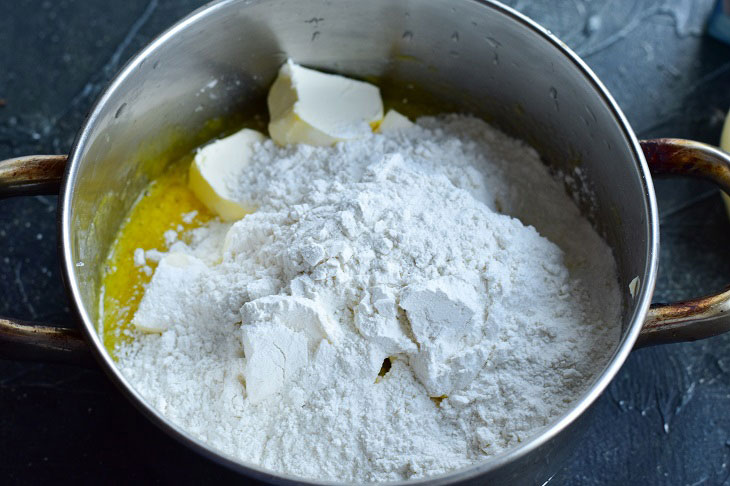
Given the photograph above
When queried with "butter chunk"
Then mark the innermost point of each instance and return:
(216, 166)
(315, 108)
(393, 122)
(163, 304)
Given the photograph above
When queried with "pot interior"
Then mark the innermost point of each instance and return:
(471, 56)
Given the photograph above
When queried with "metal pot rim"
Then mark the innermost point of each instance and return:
(643, 299)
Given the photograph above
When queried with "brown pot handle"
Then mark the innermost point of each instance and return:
(24, 176)
(34, 174)
(706, 316)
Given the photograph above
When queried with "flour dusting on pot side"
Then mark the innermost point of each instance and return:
(382, 314)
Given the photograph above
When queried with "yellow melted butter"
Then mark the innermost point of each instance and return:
(160, 208)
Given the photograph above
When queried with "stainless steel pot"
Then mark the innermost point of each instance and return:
(475, 55)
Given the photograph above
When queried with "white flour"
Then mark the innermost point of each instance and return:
(387, 247)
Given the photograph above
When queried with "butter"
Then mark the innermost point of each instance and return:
(217, 163)
(314, 108)
(394, 121)
(160, 308)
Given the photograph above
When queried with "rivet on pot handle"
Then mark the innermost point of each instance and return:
(706, 316)
(25, 176)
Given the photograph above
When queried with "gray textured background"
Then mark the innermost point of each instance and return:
(664, 420)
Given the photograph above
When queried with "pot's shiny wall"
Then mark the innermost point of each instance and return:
(474, 56)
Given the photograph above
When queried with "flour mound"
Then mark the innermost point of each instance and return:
(383, 250)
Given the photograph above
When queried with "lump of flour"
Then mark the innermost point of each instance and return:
(280, 334)
(275, 332)
(446, 317)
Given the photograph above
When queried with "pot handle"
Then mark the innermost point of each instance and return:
(705, 316)
(19, 340)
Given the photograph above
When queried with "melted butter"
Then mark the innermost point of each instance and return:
(160, 208)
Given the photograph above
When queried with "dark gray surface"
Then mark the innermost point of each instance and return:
(664, 420)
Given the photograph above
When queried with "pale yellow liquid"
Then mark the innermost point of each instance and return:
(160, 208)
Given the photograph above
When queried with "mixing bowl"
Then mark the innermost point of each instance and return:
(476, 56)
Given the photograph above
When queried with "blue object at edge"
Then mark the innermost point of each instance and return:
(719, 25)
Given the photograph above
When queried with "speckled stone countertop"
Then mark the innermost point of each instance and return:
(664, 420)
